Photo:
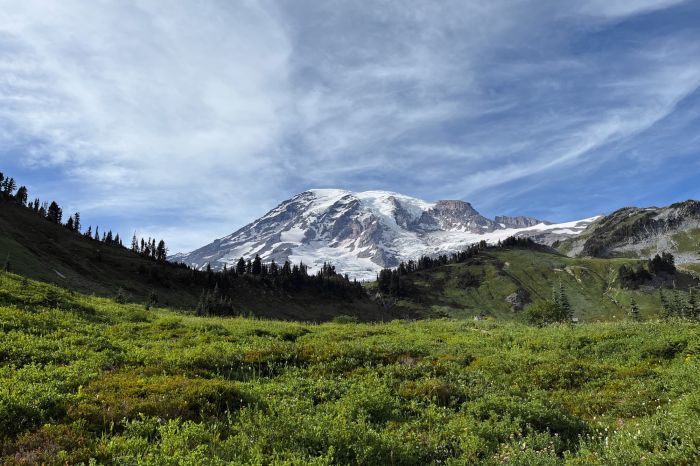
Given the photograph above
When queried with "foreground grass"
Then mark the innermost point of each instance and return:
(83, 379)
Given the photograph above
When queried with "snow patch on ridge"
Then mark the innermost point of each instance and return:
(360, 233)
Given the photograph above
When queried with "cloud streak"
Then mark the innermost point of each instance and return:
(199, 117)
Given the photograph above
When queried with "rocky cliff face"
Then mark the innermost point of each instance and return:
(454, 216)
(643, 232)
(362, 232)
(518, 222)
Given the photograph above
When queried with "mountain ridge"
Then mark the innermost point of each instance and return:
(642, 233)
(363, 232)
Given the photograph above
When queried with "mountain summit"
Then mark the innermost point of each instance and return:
(362, 232)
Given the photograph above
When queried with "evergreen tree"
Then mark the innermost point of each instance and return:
(286, 269)
(666, 311)
(203, 304)
(88, 233)
(555, 297)
(677, 306)
(240, 266)
(256, 268)
(564, 304)
(134, 244)
(161, 252)
(8, 186)
(76, 222)
(384, 284)
(54, 213)
(663, 263)
(97, 233)
(402, 269)
(70, 224)
(634, 310)
(22, 195)
(395, 284)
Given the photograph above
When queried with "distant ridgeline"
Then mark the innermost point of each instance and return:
(251, 287)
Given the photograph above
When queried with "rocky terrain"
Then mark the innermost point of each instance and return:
(362, 232)
(642, 232)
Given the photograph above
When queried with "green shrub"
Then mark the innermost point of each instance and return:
(343, 319)
(120, 385)
(121, 297)
(51, 445)
(126, 395)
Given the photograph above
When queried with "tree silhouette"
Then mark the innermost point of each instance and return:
(240, 267)
(256, 268)
(54, 213)
(22, 195)
(161, 252)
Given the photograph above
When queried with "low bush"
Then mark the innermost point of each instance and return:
(122, 385)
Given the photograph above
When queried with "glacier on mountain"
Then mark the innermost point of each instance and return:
(362, 232)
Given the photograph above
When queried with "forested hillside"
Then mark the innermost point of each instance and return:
(503, 281)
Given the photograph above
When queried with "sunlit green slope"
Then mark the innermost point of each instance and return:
(481, 285)
(85, 379)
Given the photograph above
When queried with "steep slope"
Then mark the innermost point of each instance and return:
(363, 232)
(42, 250)
(493, 281)
(642, 232)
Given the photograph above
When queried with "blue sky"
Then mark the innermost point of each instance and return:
(187, 120)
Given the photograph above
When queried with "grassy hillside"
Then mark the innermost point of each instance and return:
(85, 378)
(44, 251)
(481, 285)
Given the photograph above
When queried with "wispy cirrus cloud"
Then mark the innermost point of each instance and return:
(185, 117)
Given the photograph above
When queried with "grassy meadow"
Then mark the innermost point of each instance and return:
(84, 380)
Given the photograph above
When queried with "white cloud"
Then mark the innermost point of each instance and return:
(208, 113)
(622, 8)
(140, 95)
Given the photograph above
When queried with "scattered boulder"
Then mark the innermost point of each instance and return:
(518, 300)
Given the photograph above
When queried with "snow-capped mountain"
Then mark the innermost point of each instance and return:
(360, 233)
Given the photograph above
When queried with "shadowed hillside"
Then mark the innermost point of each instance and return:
(39, 249)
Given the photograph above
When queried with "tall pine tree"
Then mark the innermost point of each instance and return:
(54, 213)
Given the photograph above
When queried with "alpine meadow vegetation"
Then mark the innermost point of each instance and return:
(87, 380)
